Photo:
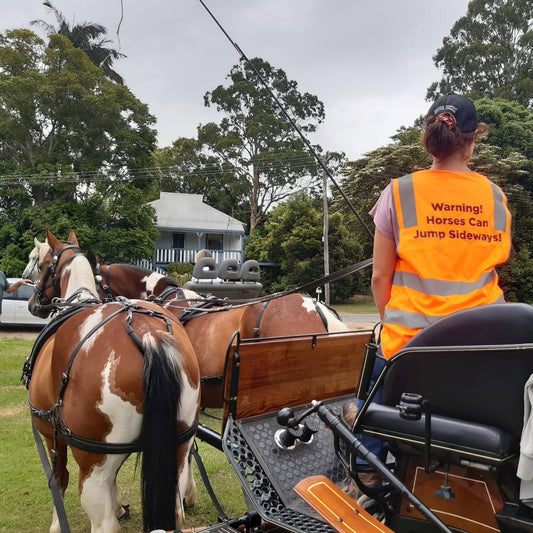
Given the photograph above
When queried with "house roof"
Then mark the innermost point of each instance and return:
(187, 212)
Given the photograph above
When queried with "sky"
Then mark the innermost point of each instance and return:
(369, 61)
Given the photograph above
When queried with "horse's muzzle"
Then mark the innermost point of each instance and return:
(36, 309)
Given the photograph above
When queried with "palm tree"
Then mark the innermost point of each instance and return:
(88, 37)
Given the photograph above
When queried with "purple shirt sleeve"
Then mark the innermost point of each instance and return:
(383, 214)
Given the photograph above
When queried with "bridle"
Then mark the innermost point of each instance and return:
(52, 275)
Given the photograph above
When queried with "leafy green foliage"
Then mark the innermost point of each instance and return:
(181, 272)
(67, 136)
(489, 52)
(292, 238)
(265, 152)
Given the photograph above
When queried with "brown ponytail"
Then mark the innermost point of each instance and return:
(440, 140)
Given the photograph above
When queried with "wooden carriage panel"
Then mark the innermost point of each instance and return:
(476, 496)
(285, 372)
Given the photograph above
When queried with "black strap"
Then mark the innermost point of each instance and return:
(52, 483)
(102, 447)
(225, 304)
(333, 277)
(259, 317)
(208, 487)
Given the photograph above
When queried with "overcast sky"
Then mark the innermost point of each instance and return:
(369, 61)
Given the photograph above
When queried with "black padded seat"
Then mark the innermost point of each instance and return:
(472, 366)
(505, 323)
(449, 436)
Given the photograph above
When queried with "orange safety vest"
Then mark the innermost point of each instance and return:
(454, 228)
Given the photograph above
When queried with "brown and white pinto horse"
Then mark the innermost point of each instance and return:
(106, 380)
(211, 324)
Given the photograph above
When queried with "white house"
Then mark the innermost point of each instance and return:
(187, 225)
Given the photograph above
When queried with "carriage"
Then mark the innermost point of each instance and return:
(455, 402)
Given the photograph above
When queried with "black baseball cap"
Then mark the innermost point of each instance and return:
(460, 107)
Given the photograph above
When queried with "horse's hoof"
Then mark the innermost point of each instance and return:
(126, 514)
(188, 505)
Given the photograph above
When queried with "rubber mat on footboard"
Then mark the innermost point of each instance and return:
(269, 472)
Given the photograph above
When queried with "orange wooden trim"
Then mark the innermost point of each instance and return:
(336, 507)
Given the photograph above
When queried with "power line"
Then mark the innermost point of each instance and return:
(272, 163)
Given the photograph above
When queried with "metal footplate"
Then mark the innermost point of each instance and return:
(268, 473)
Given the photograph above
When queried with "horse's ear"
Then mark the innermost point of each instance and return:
(72, 238)
(99, 259)
(37, 242)
(52, 241)
(92, 261)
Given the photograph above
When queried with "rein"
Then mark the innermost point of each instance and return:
(52, 483)
(224, 305)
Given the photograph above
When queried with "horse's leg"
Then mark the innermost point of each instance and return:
(60, 473)
(190, 496)
(98, 490)
(186, 490)
(120, 510)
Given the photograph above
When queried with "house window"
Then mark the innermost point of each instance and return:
(214, 241)
(178, 240)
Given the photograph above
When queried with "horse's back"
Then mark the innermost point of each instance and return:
(290, 314)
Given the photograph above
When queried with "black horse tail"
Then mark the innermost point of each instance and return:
(162, 386)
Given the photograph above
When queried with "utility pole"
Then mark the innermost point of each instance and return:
(325, 232)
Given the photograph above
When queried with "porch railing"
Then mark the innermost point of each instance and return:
(165, 256)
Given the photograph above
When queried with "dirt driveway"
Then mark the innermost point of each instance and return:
(7, 332)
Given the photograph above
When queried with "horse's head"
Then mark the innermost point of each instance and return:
(56, 260)
(32, 268)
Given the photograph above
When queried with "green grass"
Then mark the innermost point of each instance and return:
(357, 305)
(26, 499)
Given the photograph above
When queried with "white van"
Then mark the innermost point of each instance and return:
(15, 307)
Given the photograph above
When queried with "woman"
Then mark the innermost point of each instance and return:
(440, 232)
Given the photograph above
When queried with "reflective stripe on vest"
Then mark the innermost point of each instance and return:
(414, 320)
(438, 287)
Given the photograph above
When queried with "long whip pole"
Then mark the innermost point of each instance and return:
(289, 118)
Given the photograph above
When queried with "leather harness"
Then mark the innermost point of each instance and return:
(54, 415)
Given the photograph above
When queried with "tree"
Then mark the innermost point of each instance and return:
(489, 52)
(511, 129)
(57, 110)
(255, 137)
(185, 168)
(292, 238)
(68, 137)
(88, 37)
